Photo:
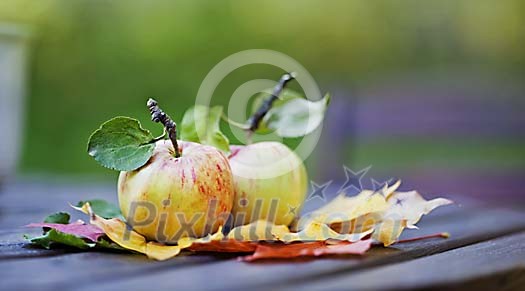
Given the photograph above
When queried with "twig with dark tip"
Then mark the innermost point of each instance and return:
(157, 115)
(256, 118)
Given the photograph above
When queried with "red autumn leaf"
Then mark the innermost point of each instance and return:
(345, 248)
(302, 249)
(225, 246)
(80, 229)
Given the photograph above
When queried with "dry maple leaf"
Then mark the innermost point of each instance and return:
(224, 246)
(260, 230)
(120, 233)
(405, 210)
(305, 249)
(384, 213)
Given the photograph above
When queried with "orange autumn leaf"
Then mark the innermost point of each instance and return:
(224, 246)
(307, 249)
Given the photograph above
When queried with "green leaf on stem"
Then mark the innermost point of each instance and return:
(292, 116)
(201, 124)
(59, 217)
(121, 144)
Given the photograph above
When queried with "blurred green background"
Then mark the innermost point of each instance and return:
(422, 89)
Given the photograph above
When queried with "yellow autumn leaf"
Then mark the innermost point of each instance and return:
(405, 209)
(385, 213)
(411, 206)
(186, 242)
(388, 190)
(119, 233)
(260, 230)
(388, 231)
(343, 208)
(363, 223)
(346, 209)
(161, 252)
(316, 231)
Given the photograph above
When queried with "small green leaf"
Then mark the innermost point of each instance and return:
(121, 144)
(107, 244)
(103, 208)
(286, 95)
(54, 236)
(294, 117)
(201, 124)
(59, 217)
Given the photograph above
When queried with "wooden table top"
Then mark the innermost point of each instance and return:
(486, 251)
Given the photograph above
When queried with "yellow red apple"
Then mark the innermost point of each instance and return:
(172, 197)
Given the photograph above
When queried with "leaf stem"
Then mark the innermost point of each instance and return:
(256, 118)
(157, 115)
(435, 235)
(234, 123)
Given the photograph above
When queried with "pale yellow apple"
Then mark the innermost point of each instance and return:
(270, 183)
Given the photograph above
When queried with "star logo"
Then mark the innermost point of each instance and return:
(353, 179)
(318, 191)
(380, 186)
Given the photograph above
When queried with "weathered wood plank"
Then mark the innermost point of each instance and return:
(23, 203)
(473, 228)
(85, 269)
(22, 250)
(497, 264)
(13, 245)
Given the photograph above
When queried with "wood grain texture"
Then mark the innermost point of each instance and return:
(77, 270)
(24, 203)
(14, 246)
(497, 264)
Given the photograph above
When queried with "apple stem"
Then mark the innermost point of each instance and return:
(157, 115)
(256, 118)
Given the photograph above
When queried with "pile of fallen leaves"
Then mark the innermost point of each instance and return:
(345, 225)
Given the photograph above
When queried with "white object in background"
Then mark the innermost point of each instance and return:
(13, 62)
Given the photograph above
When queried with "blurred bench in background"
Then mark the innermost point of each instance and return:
(444, 135)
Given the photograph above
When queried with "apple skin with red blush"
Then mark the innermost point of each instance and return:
(270, 183)
(169, 198)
